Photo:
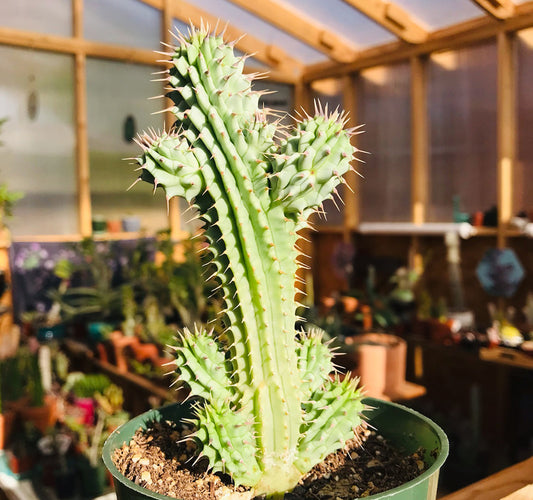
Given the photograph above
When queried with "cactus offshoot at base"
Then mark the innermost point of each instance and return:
(270, 410)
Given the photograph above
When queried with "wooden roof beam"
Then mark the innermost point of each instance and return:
(292, 22)
(268, 54)
(73, 46)
(391, 17)
(499, 9)
(460, 35)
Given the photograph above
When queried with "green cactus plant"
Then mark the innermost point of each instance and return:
(269, 409)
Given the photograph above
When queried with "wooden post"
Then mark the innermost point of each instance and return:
(7, 332)
(506, 131)
(419, 154)
(419, 141)
(82, 143)
(351, 198)
(302, 98)
(174, 219)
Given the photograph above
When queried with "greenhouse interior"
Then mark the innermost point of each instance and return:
(243, 235)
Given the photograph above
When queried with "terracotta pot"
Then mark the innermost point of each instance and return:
(102, 352)
(6, 425)
(349, 304)
(381, 364)
(144, 352)
(43, 417)
(120, 342)
(371, 368)
(327, 304)
(367, 317)
(114, 226)
(17, 404)
(21, 466)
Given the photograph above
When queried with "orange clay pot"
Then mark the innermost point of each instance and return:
(349, 304)
(144, 352)
(43, 417)
(120, 342)
(381, 364)
(6, 425)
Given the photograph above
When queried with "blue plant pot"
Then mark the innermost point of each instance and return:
(48, 333)
(96, 330)
(131, 224)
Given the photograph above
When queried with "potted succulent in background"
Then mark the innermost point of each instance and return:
(96, 299)
(41, 409)
(98, 410)
(268, 409)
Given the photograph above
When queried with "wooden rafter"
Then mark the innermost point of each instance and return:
(391, 17)
(173, 211)
(292, 22)
(460, 35)
(73, 46)
(269, 54)
(499, 9)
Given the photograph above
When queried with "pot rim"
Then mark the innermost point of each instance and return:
(368, 401)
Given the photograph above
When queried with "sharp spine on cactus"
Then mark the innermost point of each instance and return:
(254, 194)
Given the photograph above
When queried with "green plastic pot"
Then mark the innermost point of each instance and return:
(402, 426)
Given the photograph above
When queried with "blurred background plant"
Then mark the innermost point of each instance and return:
(101, 412)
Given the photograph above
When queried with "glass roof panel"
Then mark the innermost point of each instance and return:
(248, 23)
(435, 15)
(111, 22)
(342, 19)
(251, 62)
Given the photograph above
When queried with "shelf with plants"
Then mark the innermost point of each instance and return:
(116, 307)
(59, 452)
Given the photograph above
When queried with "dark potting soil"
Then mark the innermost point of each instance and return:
(161, 460)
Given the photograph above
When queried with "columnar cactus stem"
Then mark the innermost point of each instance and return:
(269, 410)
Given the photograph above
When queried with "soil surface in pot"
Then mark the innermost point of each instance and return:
(163, 460)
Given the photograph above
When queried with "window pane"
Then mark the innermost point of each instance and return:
(250, 63)
(342, 19)
(240, 18)
(384, 105)
(434, 15)
(278, 97)
(523, 186)
(122, 22)
(118, 106)
(50, 16)
(38, 151)
(462, 97)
